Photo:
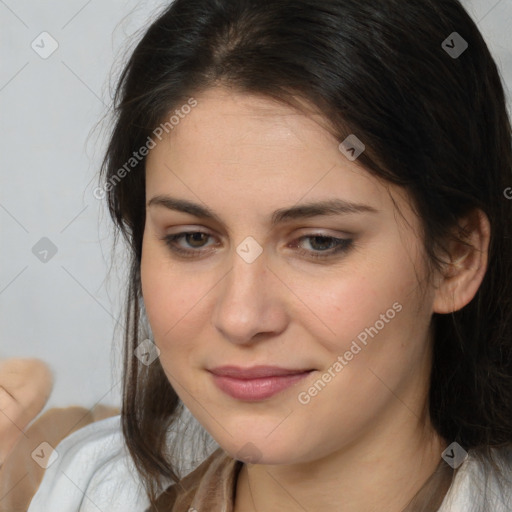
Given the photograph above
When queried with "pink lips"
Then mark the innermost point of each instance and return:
(256, 383)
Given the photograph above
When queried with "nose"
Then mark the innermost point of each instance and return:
(250, 302)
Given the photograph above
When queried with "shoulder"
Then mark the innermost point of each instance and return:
(478, 486)
(91, 470)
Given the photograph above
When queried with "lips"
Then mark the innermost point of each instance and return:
(256, 383)
(256, 372)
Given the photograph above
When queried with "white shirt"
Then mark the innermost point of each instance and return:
(93, 471)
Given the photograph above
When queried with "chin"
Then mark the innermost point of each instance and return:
(261, 451)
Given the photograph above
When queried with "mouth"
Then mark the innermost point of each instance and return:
(256, 383)
(256, 372)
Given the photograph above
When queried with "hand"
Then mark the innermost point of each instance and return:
(25, 386)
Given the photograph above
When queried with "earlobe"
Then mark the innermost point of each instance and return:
(465, 270)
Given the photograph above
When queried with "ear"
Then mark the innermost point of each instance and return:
(464, 272)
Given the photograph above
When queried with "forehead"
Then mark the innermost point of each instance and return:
(224, 120)
(245, 146)
(240, 130)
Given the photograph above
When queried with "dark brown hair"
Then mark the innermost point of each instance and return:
(432, 122)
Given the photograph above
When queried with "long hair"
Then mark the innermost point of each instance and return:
(432, 114)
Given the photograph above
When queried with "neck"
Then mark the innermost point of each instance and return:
(381, 471)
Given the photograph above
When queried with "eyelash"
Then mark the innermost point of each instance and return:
(342, 245)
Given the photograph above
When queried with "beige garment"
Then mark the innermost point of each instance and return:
(212, 487)
(23, 469)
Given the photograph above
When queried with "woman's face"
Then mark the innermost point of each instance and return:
(263, 287)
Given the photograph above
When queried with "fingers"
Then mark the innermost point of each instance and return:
(25, 386)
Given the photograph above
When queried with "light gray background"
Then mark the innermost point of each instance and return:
(64, 311)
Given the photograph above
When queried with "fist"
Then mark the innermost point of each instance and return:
(25, 386)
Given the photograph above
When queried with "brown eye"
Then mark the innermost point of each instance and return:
(325, 246)
(193, 240)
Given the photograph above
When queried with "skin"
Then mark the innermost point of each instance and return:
(25, 386)
(365, 440)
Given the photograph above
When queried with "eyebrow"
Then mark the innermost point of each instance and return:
(302, 211)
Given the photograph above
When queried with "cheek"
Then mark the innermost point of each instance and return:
(337, 311)
(174, 299)
(358, 302)
(169, 310)
(166, 300)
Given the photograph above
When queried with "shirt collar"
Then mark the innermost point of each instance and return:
(211, 486)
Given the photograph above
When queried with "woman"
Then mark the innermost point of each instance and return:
(313, 194)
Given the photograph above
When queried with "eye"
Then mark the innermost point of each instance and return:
(327, 246)
(322, 246)
(194, 237)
